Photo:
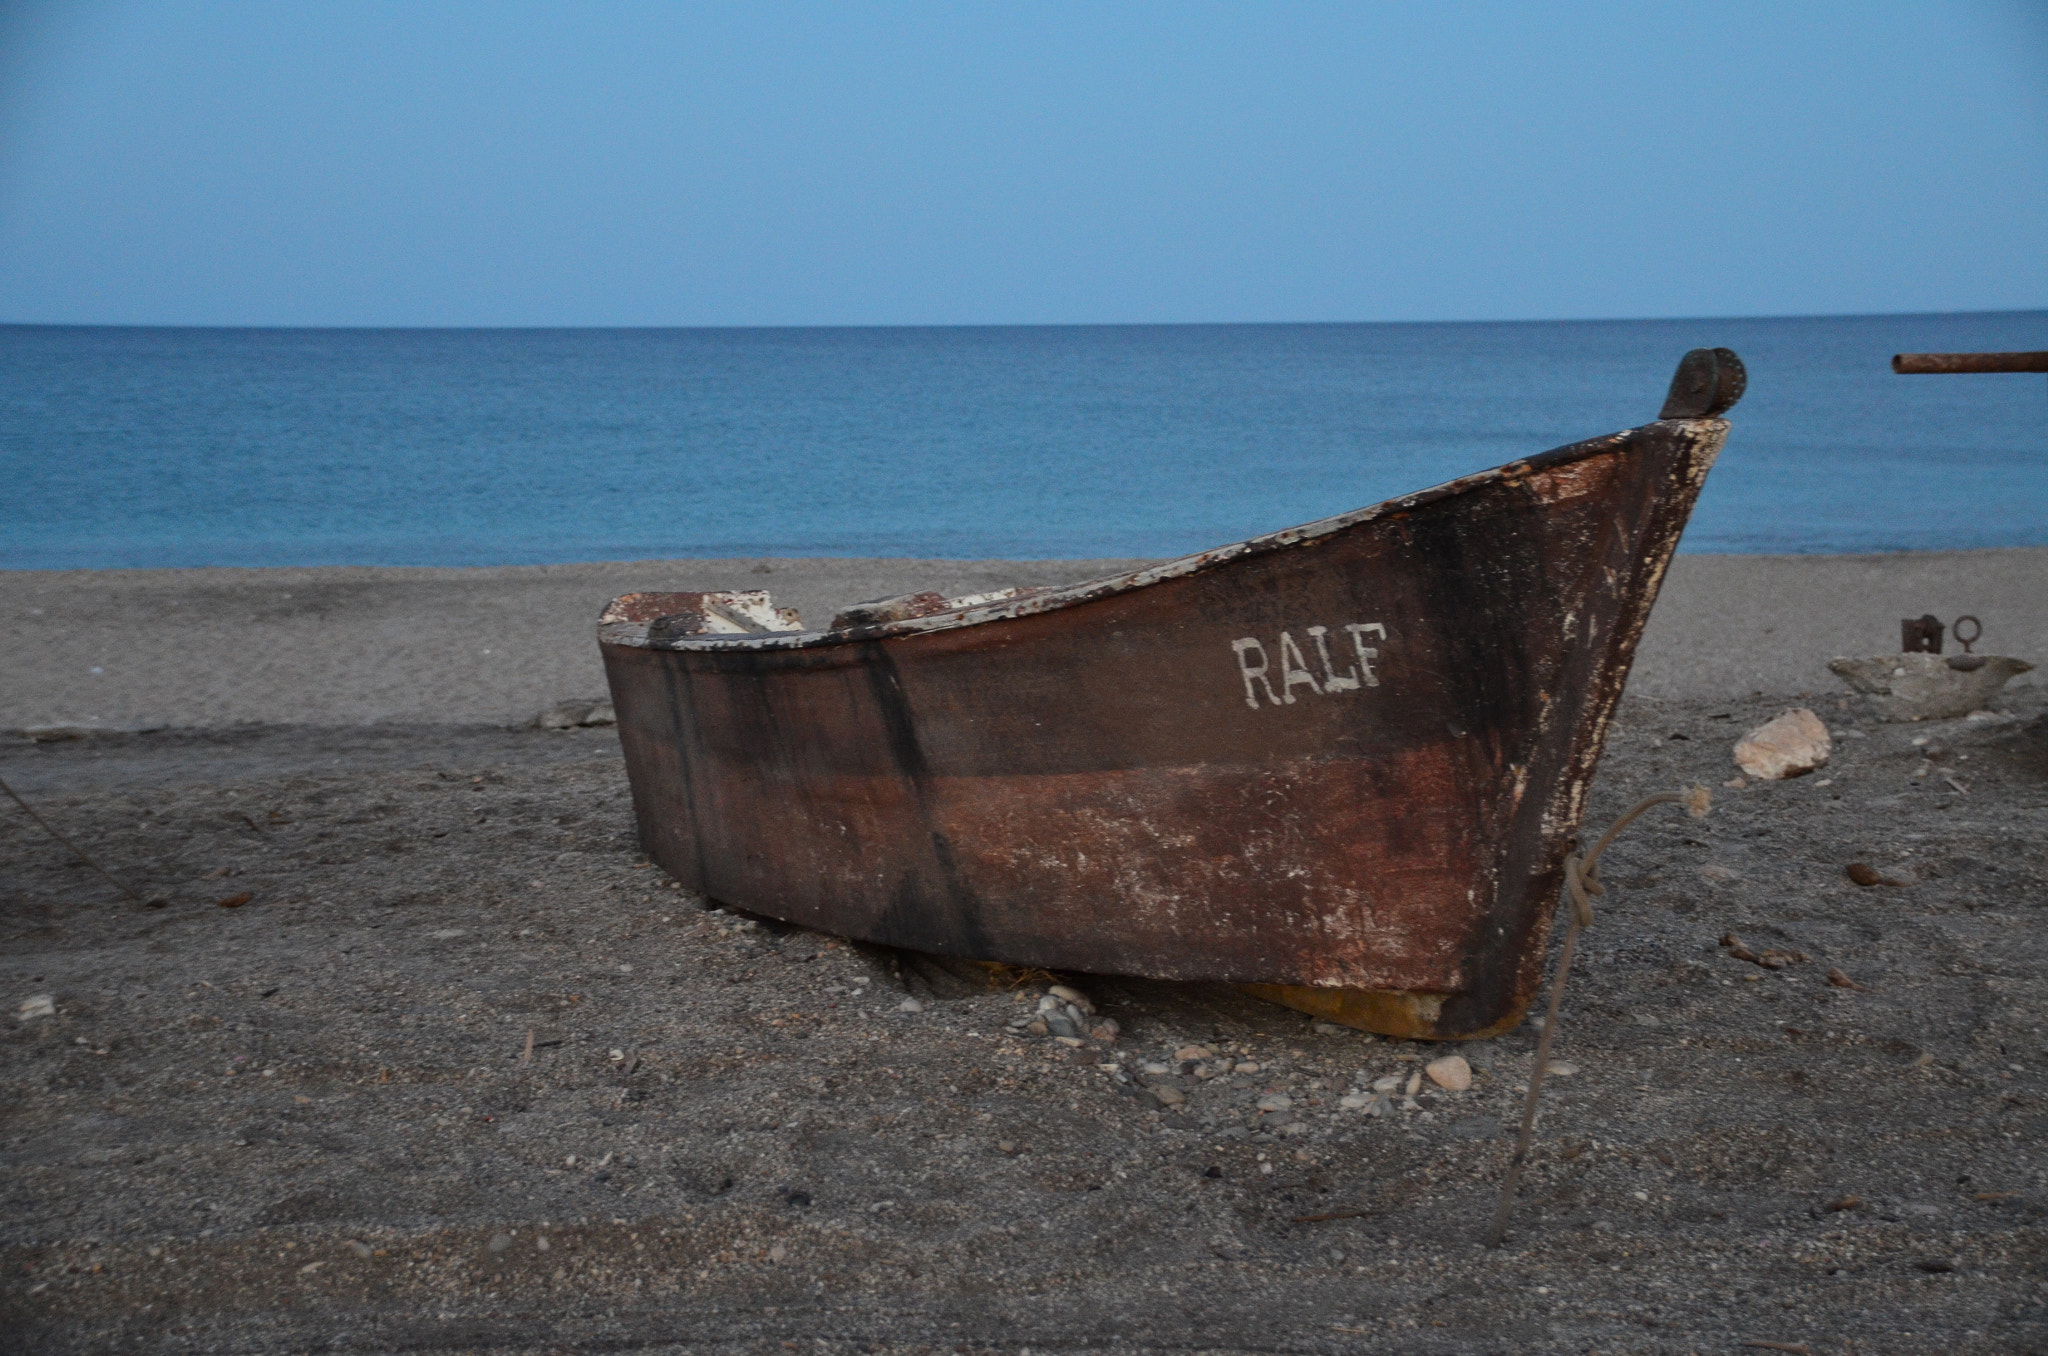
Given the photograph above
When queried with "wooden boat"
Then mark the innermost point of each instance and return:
(1341, 764)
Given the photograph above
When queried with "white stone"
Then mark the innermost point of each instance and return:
(1450, 1073)
(910, 1005)
(1276, 1101)
(1794, 743)
(41, 1005)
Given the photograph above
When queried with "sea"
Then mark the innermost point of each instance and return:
(147, 447)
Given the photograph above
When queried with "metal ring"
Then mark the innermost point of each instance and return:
(1956, 630)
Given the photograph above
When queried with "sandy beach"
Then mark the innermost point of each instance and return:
(455, 1069)
(128, 649)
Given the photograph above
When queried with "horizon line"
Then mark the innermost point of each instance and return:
(1034, 325)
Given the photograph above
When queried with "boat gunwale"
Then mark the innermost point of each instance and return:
(633, 635)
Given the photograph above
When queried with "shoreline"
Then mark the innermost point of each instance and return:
(357, 645)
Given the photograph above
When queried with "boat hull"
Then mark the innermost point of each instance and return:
(1347, 759)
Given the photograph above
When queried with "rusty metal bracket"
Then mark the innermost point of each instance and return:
(1930, 364)
(1921, 635)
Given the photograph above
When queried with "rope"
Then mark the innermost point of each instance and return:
(83, 856)
(1582, 883)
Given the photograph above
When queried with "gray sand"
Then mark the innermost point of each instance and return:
(347, 646)
(305, 1122)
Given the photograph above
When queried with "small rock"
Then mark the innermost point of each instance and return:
(1330, 1029)
(1558, 1068)
(1414, 1083)
(1155, 1067)
(41, 1005)
(1194, 1052)
(910, 1005)
(1792, 744)
(1352, 1101)
(1276, 1101)
(562, 716)
(500, 1242)
(1387, 1084)
(1167, 1095)
(1060, 1024)
(358, 1247)
(1073, 996)
(777, 1252)
(600, 714)
(1842, 981)
(1071, 1042)
(1450, 1073)
(235, 901)
(1105, 1031)
(1866, 875)
(1006, 1146)
(1735, 783)
(1247, 1066)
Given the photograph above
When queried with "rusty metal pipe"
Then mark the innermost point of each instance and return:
(1913, 364)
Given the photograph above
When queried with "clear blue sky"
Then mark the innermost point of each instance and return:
(767, 163)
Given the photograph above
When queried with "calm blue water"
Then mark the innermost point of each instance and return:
(157, 447)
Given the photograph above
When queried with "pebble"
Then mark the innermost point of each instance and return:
(1106, 1031)
(1071, 1042)
(1276, 1101)
(1414, 1082)
(1451, 1073)
(1387, 1084)
(1247, 1067)
(1194, 1052)
(500, 1242)
(1167, 1094)
(1072, 996)
(1558, 1068)
(910, 1005)
(1352, 1101)
(41, 1005)
(1060, 1024)
(1155, 1068)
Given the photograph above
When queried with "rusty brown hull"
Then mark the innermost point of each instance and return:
(1349, 757)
